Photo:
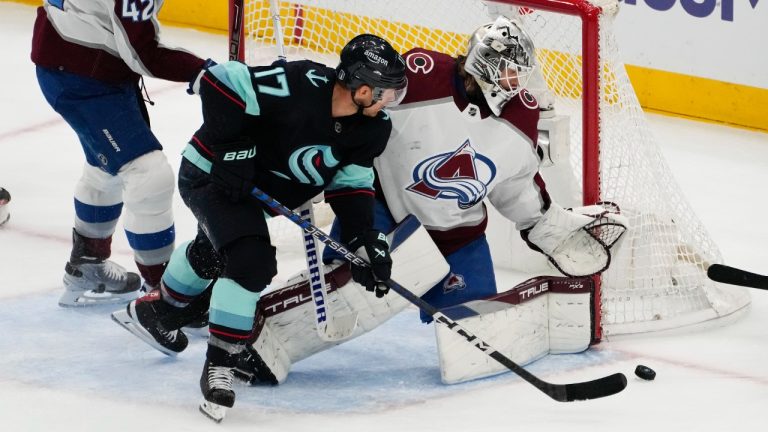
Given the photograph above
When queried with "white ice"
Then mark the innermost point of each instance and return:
(75, 370)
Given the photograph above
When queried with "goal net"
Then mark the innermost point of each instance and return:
(657, 278)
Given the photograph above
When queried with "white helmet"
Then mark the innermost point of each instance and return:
(500, 57)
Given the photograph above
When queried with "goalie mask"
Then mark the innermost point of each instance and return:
(500, 57)
(370, 60)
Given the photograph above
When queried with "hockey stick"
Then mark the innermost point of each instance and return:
(236, 34)
(274, 9)
(331, 327)
(733, 276)
(598, 388)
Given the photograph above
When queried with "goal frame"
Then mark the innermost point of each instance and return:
(629, 299)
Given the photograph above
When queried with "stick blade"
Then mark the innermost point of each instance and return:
(601, 387)
(733, 276)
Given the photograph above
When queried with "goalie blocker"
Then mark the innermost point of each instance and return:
(540, 316)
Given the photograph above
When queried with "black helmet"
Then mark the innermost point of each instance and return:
(371, 60)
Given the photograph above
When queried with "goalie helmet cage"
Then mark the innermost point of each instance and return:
(657, 278)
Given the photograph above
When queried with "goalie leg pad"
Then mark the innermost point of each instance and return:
(289, 331)
(543, 315)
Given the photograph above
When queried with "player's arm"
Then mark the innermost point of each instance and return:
(523, 199)
(229, 103)
(135, 27)
(350, 195)
(351, 192)
(577, 244)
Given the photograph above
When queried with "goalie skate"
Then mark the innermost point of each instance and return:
(251, 368)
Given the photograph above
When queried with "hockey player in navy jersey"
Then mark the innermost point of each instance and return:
(90, 56)
(294, 129)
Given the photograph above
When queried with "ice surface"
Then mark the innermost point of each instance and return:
(75, 370)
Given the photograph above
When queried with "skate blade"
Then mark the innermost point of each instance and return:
(92, 298)
(213, 411)
(127, 322)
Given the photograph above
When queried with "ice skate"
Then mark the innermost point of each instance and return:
(142, 318)
(91, 279)
(5, 198)
(218, 396)
(94, 282)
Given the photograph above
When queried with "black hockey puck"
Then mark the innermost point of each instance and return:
(645, 372)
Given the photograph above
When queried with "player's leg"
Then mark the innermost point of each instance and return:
(148, 216)
(99, 113)
(250, 267)
(157, 317)
(147, 178)
(471, 277)
(239, 233)
(90, 277)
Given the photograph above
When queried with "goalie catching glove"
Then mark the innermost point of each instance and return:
(578, 241)
(373, 247)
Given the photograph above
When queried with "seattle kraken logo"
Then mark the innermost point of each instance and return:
(462, 175)
(309, 163)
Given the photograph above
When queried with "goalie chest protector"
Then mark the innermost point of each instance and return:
(445, 155)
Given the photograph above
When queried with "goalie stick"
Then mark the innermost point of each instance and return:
(733, 276)
(598, 388)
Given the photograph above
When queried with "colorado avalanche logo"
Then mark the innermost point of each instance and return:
(462, 175)
(309, 163)
(420, 62)
(528, 99)
(453, 282)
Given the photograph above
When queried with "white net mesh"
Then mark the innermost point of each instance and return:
(657, 277)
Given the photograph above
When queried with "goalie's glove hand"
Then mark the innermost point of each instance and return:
(232, 170)
(372, 246)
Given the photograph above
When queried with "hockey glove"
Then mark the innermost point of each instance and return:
(373, 247)
(232, 169)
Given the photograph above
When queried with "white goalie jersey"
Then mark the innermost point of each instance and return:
(446, 155)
